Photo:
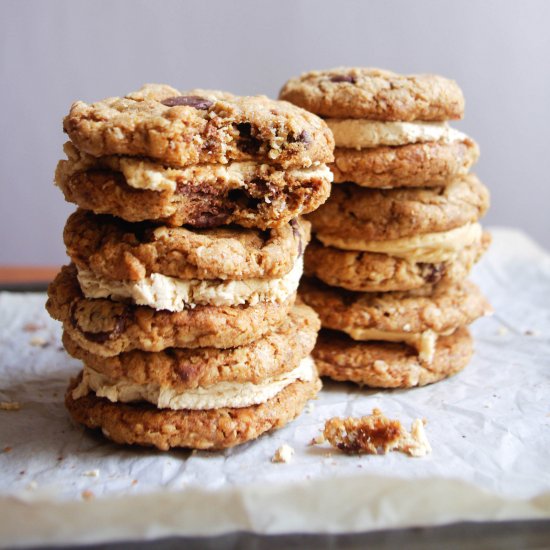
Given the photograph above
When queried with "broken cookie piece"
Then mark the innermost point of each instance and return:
(375, 434)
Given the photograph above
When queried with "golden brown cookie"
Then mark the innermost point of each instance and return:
(441, 309)
(427, 164)
(143, 424)
(389, 365)
(372, 272)
(178, 129)
(352, 92)
(117, 250)
(246, 193)
(354, 212)
(107, 328)
(279, 351)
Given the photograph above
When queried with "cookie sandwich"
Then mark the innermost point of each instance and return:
(186, 252)
(396, 240)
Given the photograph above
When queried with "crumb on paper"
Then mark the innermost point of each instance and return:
(310, 407)
(87, 495)
(134, 481)
(283, 454)
(38, 342)
(8, 449)
(32, 486)
(318, 440)
(376, 434)
(10, 405)
(502, 331)
(532, 333)
(32, 327)
(91, 473)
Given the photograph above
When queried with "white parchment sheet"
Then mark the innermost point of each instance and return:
(489, 428)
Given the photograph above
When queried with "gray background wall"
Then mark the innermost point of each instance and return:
(56, 51)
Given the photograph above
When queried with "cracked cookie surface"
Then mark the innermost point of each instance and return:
(200, 126)
(118, 250)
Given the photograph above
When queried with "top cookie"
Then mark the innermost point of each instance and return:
(200, 126)
(352, 92)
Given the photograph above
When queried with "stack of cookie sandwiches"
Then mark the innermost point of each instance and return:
(186, 253)
(396, 240)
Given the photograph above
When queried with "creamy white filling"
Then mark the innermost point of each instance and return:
(223, 394)
(162, 292)
(428, 248)
(360, 133)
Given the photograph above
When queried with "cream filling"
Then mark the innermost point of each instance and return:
(429, 248)
(162, 292)
(360, 133)
(222, 394)
(424, 342)
(152, 176)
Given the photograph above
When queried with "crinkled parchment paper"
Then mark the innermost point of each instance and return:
(489, 428)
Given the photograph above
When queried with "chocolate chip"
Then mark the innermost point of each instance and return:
(189, 101)
(102, 336)
(432, 273)
(247, 142)
(343, 78)
(305, 137)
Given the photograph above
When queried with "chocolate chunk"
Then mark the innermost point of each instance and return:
(305, 137)
(189, 101)
(102, 336)
(343, 78)
(247, 142)
(432, 273)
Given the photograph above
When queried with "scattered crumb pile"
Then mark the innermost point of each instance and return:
(283, 454)
(375, 434)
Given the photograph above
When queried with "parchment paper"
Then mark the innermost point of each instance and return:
(489, 428)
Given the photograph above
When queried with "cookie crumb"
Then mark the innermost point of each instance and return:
(32, 486)
(91, 473)
(10, 405)
(87, 495)
(310, 407)
(376, 434)
(39, 342)
(531, 333)
(318, 440)
(32, 327)
(8, 449)
(502, 331)
(134, 481)
(283, 454)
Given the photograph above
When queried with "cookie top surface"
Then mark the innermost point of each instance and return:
(178, 129)
(375, 94)
(389, 365)
(441, 308)
(277, 352)
(354, 212)
(105, 327)
(144, 424)
(121, 251)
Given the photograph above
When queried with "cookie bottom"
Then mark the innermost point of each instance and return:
(389, 365)
(143, 424)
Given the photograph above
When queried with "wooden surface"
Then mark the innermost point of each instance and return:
(12, 274)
